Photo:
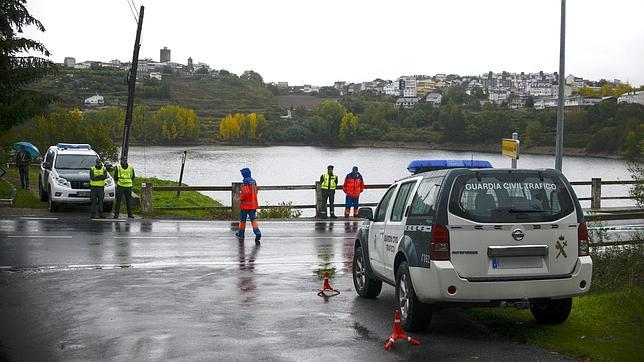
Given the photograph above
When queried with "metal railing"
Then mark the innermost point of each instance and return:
(594, 213)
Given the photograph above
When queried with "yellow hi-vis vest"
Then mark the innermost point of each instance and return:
(97, 172)
(329, 181)
(125, 176)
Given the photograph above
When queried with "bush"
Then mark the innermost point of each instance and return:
(285, 211)
(618, 267)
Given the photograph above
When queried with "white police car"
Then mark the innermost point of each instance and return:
(64, 176)
(463, 233)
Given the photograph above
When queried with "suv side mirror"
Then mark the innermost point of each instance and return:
(365, 213)
(46, 165)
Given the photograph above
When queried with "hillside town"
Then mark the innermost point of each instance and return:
(539, 90)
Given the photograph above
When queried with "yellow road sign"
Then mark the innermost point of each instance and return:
(510, 148)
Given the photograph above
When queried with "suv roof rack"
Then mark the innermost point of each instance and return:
(74, 146)
(418, 166)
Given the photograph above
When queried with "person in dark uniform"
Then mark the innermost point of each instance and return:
(124, 178)
(23, 162)
(328, 184)
(97, 176)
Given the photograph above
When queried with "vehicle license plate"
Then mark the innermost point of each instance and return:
(517, 262)
(82, 194)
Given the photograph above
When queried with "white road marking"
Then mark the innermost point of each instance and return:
(38, 218)
(146, 237)
(41, 236)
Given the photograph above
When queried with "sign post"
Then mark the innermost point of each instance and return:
(510, 148)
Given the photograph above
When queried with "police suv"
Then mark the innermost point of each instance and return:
(64, 176)
(461, 233)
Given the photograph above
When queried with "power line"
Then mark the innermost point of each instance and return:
(135, 10)
(136, 20)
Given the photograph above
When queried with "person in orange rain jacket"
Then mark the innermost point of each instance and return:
(353, 186)
(248, 205)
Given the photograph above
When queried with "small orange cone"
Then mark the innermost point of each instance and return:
(398, 333)
(326, 287)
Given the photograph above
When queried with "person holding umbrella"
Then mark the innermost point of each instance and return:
(23, 162)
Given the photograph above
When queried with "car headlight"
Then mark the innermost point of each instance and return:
(62, 182)
(109, 182)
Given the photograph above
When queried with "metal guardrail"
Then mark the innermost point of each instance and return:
(595, 213)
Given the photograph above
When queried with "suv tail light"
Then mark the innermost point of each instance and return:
(582, 235)
(440, 242)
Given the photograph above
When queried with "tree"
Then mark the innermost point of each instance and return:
(348, 127)
(252, 76)
(17, 70)
(529, 103)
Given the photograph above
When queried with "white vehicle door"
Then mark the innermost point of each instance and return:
(377, 232)
(395, 226)
(512, 224)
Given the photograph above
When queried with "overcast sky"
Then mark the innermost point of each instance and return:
(324, 41)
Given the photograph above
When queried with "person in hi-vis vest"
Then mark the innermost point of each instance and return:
(97, 176)
(328, 184)
(124, 178)
(248, 205)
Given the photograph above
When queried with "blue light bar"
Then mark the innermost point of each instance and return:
(74, 146)
(418, 166)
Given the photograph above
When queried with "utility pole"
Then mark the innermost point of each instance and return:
(131, 83)
(562, 87)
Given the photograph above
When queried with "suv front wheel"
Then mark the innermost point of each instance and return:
(51, 205)
(414, 315)
(41, 192)
(554, 311)
(365, 286)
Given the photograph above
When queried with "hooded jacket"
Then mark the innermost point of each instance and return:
(353, 184)
(248, 199)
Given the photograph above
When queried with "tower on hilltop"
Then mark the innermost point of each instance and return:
(191, 67)
(165, 55)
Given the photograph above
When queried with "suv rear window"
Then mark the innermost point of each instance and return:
(510, 196)
(75, 162)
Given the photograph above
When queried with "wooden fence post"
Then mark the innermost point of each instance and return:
(146, 197)
(318, 201)
(235, 200)
(596, 193)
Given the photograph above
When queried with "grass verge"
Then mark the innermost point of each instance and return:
(170, 199)
(6, 191)
(606, 326)
(27, 199)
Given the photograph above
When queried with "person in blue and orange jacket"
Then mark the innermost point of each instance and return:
(353, 187)
(248, 205)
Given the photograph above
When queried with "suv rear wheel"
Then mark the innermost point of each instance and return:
(51, 205)
(414, 315)
(365, 286)
(554, 311)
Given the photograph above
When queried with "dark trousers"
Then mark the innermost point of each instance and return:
(24, 176)
(96, 195)
(330, 196)
(248, 214)
(120, 193)
(351, 201)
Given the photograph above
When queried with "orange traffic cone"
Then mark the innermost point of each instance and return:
(398, 333)
(326, 287)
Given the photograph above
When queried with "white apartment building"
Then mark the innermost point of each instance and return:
(434, 98)
(406, 102)
(69, 62)
(408, 86)
(540, 89)
(632, 97)
(392, 89)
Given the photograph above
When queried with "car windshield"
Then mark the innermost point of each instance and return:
(510, 196)
(75, 162)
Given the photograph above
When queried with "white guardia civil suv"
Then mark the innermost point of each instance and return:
(64, 176)
(462, 233)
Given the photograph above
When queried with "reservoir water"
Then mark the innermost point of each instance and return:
(215, 165)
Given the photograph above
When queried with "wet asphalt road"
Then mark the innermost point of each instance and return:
(76, 289)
